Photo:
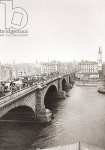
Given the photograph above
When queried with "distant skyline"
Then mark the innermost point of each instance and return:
(63, 30)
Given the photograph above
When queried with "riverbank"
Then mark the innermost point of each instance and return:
(91, 83)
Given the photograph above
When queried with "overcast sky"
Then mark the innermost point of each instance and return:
(64, 30)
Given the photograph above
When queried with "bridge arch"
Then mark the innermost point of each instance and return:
(64, 84)
(20, 113)
(50, 96)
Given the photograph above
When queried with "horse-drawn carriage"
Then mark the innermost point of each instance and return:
(17, 84)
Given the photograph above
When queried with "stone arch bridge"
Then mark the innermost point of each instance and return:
(37, 98)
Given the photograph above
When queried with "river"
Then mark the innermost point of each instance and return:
(79, 117)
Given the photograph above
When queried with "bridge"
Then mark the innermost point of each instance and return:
(37, 98)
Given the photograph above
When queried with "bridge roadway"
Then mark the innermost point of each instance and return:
(34, 97)
(16, 95)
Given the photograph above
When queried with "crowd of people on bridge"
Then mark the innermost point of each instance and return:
(20, 83)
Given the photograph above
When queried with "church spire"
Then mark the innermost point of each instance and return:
(99, 59)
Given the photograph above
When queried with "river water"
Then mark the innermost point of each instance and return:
(79, 117)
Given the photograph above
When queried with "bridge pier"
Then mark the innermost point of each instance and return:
(68, 86)
(42, 114)
(61, 94)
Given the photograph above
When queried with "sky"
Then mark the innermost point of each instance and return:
(64, 30)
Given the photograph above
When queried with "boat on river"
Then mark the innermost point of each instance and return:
(101, 90)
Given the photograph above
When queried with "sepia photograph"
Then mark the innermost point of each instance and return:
(52, 75)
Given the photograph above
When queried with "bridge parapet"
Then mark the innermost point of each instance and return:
(14, 96)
